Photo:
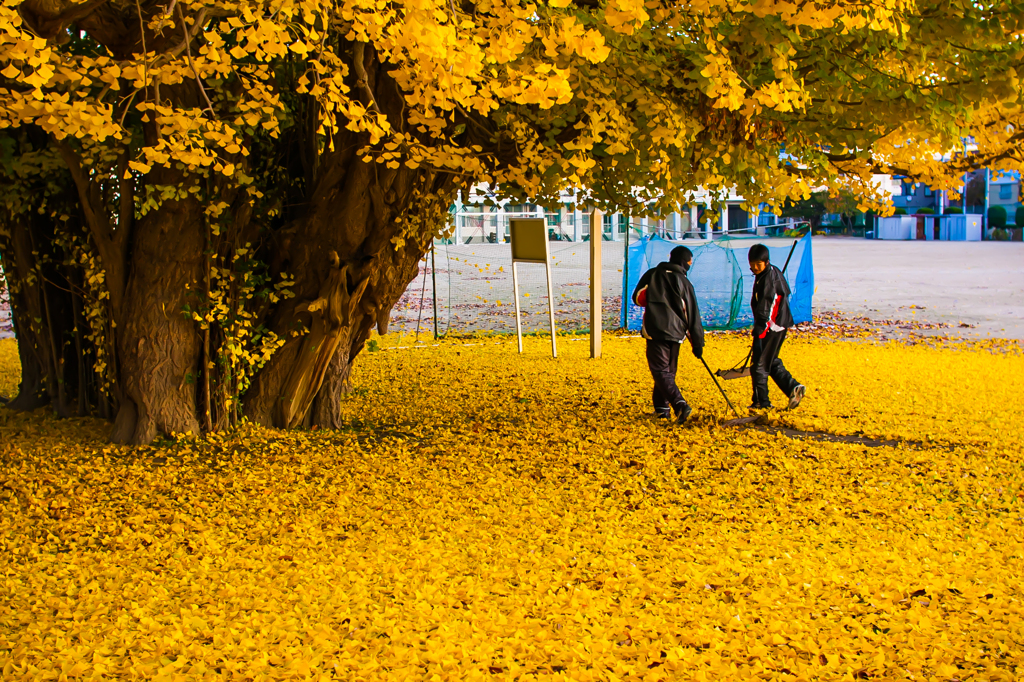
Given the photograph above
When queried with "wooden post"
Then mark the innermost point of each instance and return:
(515, 295)
(596, 235)
(433, 280)
(623, 320)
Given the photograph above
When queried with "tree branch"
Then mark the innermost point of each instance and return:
(99, 228)
(183, 46)
(188, 51)
(362, 79)
(112, 247)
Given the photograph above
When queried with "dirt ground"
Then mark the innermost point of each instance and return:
(979, 283)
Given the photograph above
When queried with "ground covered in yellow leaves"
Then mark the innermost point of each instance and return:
(501, 517)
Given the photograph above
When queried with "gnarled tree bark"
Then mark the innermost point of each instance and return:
(158, 346)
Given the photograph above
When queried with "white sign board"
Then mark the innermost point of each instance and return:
(530, 245)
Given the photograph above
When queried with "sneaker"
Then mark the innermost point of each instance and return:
(684, 413)
(758, 406)
(796, 396)
(663, 414)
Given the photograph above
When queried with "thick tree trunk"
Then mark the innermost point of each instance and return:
(306, 362)
(158, 346)
(361, 212)
(18, 262)
(32, 391)
(357, 220)
(337, 383)
(43, 315)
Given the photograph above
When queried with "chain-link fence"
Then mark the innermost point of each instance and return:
(473, 286)
(467, 287)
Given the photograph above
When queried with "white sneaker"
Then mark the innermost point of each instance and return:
(796, 396)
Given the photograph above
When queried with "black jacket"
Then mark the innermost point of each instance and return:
(770, 302)
(670, 306)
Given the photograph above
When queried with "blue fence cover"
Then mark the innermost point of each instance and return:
(721, 277)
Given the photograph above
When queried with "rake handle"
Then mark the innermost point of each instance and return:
(791, 250)
(712, 375)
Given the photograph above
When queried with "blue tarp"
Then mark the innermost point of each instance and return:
(721, 277)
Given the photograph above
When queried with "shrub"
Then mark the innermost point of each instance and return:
(1018, 217)
(954, 210)
(900, 211)
(925, 211)
(996, 216)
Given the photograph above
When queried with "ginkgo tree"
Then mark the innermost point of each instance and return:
(209, 205)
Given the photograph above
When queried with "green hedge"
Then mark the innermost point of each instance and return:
(1018, 218)
(954, 210)
(996, 216)
(900, 211)
(925, 211)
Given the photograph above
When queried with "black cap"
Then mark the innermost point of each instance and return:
(680, 255)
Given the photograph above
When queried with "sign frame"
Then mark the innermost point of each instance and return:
(529, 238)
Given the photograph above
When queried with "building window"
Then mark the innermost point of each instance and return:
(908, 189)
(521, 209)
(1005, 192)
(928, 191)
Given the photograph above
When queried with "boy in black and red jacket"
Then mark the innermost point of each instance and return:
(670, 316)
(770, 304)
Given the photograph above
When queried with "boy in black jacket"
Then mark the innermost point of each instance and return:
(670, 316)
(770, 304)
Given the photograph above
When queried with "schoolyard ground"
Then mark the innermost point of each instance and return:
(971, 290)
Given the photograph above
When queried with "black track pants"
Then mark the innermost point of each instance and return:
(663, 359)
(765, 362)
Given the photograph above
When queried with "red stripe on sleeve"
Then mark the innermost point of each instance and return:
(771, 318)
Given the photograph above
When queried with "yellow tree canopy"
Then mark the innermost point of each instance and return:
(771, 96)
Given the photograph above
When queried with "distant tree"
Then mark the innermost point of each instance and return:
(996, 216)
(844, 203)
(811, 209)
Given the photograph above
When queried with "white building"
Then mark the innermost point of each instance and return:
(476, 222)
